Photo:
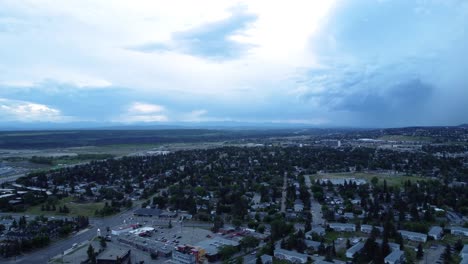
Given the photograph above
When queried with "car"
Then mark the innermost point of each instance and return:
(253, 253)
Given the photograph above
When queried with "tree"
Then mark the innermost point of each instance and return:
(420, 252)
(374, 181)
(91, 254)
(447, 254)
(459, 245)
(218, 223)
(227, 251)
(103, 242)
(259, 260)
(249, 242)
(237, 222)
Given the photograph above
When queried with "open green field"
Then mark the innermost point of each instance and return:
(84, 209)
(392, 180)
(405, 138)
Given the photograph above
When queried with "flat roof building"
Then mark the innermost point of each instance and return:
(413, 236)
(113, 256)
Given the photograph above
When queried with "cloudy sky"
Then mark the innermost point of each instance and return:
(326, 63)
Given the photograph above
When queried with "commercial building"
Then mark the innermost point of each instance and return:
(113, 256)
(149, 212)
(188, 255)
(212, 246)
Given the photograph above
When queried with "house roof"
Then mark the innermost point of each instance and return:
(413, 234)
(290, 253)
(211, 246)
(342, 225)
(355, 248)
(464, 250)
(266, 258)
(113, 254)
(435, 230)
(311, 243)
(394, 256)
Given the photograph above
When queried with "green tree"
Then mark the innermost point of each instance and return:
(447, 254)
(420, 252)
(249, 242)
(227, 251)
(259, 260)
(103, 242)
(91, 254)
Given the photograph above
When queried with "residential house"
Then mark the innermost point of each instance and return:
(396, 257)
(292, 256)
(317, 230)
(343, 227)
(312, 244)
(354, 249)
(413, 236)
(459, 231)
(436, 232)
(464, 253)
(368, 228)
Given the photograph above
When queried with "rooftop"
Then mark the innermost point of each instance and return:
(394, 256)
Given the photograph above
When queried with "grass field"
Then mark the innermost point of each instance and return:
(84, 209)
(405, 138)
(392, 180)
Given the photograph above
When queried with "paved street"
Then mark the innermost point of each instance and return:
(58, 247)
(315, 206)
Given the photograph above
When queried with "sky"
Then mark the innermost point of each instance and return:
(327, 63)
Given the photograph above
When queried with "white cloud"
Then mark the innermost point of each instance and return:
(96, 53)
(196, 116)
(142, 118)
(14, 110)
(145, 108)
(143, 112)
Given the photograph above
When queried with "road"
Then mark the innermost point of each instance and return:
(284, 193)
(58, 247)
(315, 206)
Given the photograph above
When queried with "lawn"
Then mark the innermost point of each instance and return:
(392, 180)
(333, 235)
(452, 239)
(84, 209)
(406, 138)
